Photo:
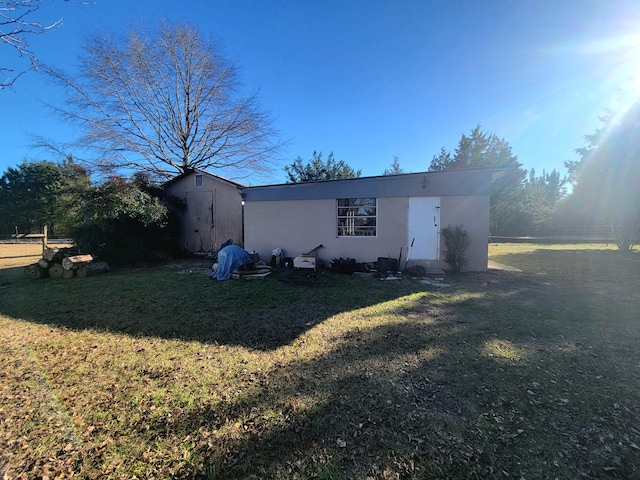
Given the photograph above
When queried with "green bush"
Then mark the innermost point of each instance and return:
(456, 241)
(126, 222)
(625, 233)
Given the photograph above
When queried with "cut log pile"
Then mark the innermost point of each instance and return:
(65, 263)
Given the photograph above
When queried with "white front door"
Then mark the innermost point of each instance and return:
(424, 228)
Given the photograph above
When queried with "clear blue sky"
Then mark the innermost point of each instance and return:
(369, 79)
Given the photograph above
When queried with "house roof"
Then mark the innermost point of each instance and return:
(471, 181)
(203, 172)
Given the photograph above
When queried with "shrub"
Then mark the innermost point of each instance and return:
(624, 236)
(456, 241)
(126, 222)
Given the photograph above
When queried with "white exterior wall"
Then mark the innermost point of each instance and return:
(297, 226)
(298, 217)
(472, 212)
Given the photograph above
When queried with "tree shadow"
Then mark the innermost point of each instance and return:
(184, 304)
(487, 377)
(441, 391)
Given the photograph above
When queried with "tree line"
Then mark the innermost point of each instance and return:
(120, 220)
(600, 193)
(522, 202)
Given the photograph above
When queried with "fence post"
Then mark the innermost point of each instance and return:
(44, 238)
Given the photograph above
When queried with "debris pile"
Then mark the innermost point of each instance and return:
(232, 261)
(348, 266)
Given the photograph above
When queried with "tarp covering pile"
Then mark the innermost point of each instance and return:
(230, 258)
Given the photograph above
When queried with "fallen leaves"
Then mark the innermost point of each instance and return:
(395, 386)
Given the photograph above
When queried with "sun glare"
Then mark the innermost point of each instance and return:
(608, 57)
(619, 57)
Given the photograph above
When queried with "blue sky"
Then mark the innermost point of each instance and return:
(370, 80)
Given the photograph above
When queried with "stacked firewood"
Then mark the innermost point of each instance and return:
(65, 263)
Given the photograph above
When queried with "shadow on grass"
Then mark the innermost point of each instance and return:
(175, 304)
(498, 375)
(600, 281)
(445, 390)
(266, 314)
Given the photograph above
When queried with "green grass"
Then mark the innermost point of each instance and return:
(160, 373)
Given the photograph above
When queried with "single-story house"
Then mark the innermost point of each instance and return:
(371, 217)
(213, 212)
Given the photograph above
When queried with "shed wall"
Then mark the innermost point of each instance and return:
(217, 222)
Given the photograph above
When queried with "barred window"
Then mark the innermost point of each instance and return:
(357, 217)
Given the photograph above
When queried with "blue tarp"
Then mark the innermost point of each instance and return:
(229, 260)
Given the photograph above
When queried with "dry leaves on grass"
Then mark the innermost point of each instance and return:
(36, 432)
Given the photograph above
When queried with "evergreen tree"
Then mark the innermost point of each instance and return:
(125, 221)
(395, 169)
(440, 162)
(540, 201)
(35, 194)
(317, 169)
(481, 149)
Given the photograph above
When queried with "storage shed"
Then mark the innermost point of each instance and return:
(371, 217)
(213, 212)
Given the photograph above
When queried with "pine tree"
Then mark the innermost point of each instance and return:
(395, 168)
(481, 149)
(317, 169)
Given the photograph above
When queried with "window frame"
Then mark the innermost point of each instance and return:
(359, 222)
(198, 176)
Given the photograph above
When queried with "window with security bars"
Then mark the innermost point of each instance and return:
(357, 217)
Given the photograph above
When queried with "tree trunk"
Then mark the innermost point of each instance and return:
(35, 271)
(54, 253)
(55, 270)
(73, 263)
(68, 273)
(49, 253)
(92, 268)
(44, 263)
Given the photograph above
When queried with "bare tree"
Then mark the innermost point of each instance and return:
(166, 102)
(16, 26)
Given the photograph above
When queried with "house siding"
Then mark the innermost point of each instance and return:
(472, 212)
(297, 226)
(298, 217)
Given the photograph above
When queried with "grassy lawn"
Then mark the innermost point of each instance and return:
(162, 373)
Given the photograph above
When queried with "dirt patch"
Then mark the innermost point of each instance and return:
(191, 266)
